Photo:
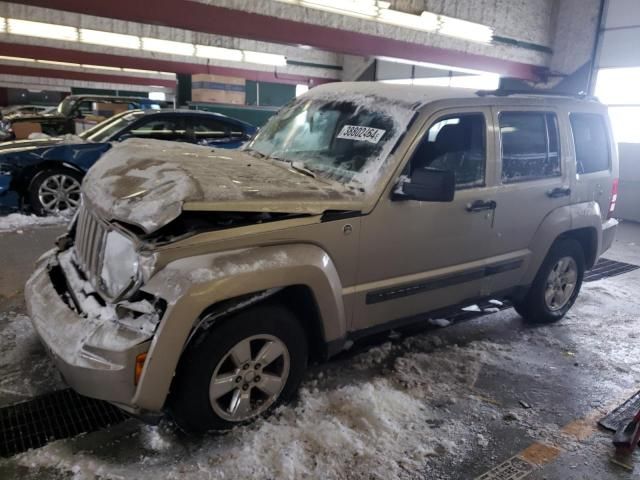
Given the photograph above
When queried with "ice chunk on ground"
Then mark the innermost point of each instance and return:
(439, 322)
(472, 308)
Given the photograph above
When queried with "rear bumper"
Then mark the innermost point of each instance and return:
(608, 235)
(78, 344)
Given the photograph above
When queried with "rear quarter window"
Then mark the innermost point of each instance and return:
(591, 142)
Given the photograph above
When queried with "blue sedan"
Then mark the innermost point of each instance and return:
(45, 174)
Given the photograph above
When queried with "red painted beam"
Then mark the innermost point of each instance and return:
(110, 60)
(83, 76)
(224, 21)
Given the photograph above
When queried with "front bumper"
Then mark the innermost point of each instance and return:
(608, 235)
(95, 358)
(9, 199)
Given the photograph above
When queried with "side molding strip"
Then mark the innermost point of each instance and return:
(442, 282)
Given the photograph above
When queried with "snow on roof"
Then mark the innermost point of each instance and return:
(408, 94)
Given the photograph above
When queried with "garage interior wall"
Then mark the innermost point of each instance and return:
(617, 85)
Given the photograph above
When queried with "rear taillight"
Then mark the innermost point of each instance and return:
(614, 198)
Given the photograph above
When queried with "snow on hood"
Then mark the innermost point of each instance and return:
(149, 182)
(41, 140)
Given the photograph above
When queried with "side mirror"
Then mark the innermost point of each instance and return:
(427, 185)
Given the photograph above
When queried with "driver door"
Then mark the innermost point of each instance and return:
(419, 256)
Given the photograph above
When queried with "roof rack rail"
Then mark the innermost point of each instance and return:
(542, 93)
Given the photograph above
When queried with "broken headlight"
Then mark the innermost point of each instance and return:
(120, 265)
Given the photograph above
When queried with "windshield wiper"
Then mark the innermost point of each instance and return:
(299, 167)
(254, 153)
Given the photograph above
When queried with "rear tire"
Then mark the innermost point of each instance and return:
(217, 388)
(557, 284)
(54, 191)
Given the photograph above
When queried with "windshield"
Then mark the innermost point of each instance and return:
(342, 140)
(103, 131)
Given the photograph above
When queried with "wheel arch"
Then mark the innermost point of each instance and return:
(304, 279)
(30, 174)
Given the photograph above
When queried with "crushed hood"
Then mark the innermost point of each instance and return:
(148, 183)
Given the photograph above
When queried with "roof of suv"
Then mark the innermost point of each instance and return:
(420, 95)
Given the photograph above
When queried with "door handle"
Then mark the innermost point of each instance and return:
(559, 192)
(480, 205)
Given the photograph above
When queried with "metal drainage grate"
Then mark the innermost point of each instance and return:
(513, 469)
(57, 415)
(608, 268)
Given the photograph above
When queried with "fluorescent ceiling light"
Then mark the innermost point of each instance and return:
(167, 46)
(364, 8)
(454, 27)
(42, 30)
(17, 59)
(109, 39)
(265, 58)
(101, 67)
(427, 21)
(218, 53)
(3, 24)
(137, 70)
(379, 11)
(62, 64)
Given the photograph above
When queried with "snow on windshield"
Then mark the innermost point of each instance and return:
(344, 137)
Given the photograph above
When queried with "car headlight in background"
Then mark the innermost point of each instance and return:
(120, 265)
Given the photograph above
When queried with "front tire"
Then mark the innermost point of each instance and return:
(557, 284)
(54, 191)
(237, 371)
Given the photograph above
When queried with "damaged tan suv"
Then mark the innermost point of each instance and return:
(200, 282)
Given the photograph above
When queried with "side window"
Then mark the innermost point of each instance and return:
(590, 140)
(456, 143)
(530, 146)
(84, 108)
(163, 128)
(205, 130)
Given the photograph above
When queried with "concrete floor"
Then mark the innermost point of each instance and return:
(492, 388)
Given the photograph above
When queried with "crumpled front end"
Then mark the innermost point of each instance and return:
(94, 344)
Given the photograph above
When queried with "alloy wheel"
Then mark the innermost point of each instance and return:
(59, 193)
(249, 378)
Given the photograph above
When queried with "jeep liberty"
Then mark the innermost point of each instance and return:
(200, 282)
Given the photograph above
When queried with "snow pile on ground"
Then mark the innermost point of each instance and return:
(18, 221)
(385, 426)
(25, 370)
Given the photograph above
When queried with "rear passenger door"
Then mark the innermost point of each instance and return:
(532, 181)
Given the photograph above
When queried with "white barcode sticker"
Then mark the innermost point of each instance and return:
(363, 134)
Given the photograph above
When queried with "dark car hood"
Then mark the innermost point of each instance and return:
(148, 183)
(40, 142)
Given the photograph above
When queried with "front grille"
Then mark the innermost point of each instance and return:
(91, 234)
